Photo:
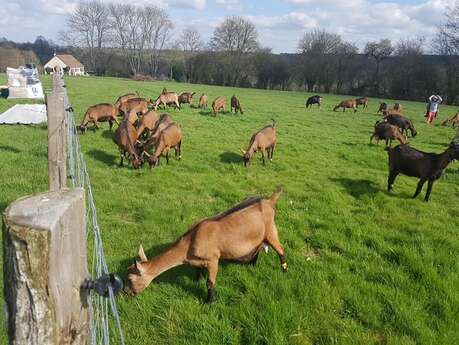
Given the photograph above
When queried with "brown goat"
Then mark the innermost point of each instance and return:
(236, 105)
(122, 99)
(237, 234)
(351, 103)
(167, 98)
(361, 101)
(186, 98)
(137, 105)
(170, 137)
(99, 113)
(126, 138)
(203, 101)
(164, 121)
(454, 121)
(218, 104)
(398, 107)
(264, 139)
(386, 131)
(147, 123)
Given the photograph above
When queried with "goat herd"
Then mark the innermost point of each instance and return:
(239, 233)
(404, 159)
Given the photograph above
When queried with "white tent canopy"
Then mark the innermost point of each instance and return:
(24, 114)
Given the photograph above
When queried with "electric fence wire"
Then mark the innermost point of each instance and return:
(98, 306)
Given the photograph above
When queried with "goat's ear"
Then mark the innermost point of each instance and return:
(243, 151)
(142, 255)
(138, 266)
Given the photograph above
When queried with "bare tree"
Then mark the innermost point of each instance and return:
(378, 51)
(157, 27)
(235, 36)
(317, 49)
(190, 40)
(410, 46)
(234, 39)
(319, 41)
(88, 27)
(446, 42)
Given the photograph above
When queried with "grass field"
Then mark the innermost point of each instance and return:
(365, 266)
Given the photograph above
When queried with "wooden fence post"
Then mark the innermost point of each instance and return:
(57, 164)
(44, 259)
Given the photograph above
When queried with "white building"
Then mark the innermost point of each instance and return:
(64, 63)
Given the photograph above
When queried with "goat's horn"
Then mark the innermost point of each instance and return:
(146, 153)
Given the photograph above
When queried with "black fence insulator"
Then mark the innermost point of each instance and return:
(101, 285)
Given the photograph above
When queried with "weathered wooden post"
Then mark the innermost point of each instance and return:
(44, 253)
(57, 166)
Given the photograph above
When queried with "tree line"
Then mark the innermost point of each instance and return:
(126, 40)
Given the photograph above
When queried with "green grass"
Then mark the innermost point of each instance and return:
(365, 266)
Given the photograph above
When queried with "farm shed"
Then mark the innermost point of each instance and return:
(64, 63)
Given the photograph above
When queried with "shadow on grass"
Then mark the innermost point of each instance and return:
(361, 144)
(206, 113)
(9, 149)
(109, 134)
(103, 157)
(357, 188)
(231, 157)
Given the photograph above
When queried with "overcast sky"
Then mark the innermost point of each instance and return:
(280, 23)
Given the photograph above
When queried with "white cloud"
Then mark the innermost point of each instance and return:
(356, 20)
(230, 5)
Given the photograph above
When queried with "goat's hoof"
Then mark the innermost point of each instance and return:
(284, 267)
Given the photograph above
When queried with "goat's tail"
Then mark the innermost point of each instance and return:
(275, 196)
(274, 123)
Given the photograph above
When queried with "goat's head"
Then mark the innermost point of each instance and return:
(137, 277)
(153, 161)
(246, 156)
(454, 147)
(82, 129)
(413, 131)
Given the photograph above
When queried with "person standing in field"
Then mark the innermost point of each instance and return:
(432, 107)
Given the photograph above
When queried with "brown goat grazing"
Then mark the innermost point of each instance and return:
(454, 121)
(264, 139)
(218, 104)
(126, 138)
(203, 101)
(351, 103)
(167, 98)
(186, 98)
(136, 105)
(147, 123)
(122, 99)
(237, 234)
(426, 166)
(99, 113)
(170, 137)
(236, 105)
(361, 101)
(386, 131)
(401, 122)
(164, 121)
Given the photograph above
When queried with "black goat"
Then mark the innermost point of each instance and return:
(402, 122)
(313, 100)
(427, 166)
